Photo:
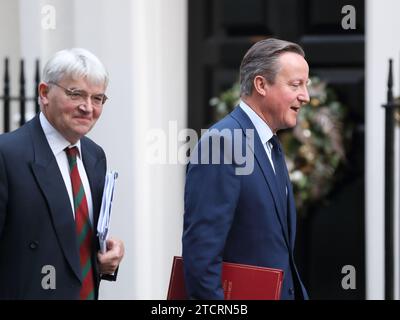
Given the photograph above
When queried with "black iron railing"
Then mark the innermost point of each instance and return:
(6, 98)
(391, 107)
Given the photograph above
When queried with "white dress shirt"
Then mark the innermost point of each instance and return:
(57, 144)
(262, 128)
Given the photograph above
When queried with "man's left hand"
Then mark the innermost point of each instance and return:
(109, 261)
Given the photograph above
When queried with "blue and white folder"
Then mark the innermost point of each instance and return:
(103, 225)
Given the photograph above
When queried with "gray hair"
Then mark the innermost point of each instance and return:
(75, 63)
(262, 59)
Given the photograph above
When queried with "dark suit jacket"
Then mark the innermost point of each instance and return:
(37, 227)
(236, 218)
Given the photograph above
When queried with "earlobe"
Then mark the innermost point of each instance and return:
(43, 92)
(260, 85)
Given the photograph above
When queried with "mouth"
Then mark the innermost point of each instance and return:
(295, 109)
(83, 119)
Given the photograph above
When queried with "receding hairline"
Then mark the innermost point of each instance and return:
(285, 53)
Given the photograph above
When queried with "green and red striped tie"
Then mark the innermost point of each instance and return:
(83, 226)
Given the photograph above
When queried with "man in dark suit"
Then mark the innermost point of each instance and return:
(244, 211)
(51, 185)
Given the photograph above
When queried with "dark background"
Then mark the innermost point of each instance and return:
(220, 32)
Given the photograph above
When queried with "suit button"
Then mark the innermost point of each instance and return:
(291, 291)
(33, 245)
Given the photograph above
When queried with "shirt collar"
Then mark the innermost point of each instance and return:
(262, 128)
(55, 139)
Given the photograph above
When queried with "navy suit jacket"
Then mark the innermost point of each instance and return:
(37, 227)
(236, 218)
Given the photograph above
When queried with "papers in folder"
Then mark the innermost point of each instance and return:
(103, 225)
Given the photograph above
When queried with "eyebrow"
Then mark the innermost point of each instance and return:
(307, 82)
(75, 89)
(81, 90)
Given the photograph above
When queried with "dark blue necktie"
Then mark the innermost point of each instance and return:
(280, 166)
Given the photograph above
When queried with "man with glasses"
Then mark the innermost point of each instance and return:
(51, 185)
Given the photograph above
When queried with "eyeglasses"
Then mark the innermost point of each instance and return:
(81, 96)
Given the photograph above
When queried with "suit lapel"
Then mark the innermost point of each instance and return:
(95, 172)
(50, 181)
(265, 165)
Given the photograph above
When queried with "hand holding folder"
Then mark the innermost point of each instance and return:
(103, 225)
(240, 282)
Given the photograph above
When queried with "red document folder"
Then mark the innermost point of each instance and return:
(240, 282)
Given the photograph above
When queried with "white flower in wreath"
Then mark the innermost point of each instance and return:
(296, 176)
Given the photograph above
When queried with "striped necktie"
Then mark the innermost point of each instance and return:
(83, 227)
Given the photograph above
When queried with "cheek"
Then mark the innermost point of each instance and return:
(285, 98)
(59, 113)
(96, 114)
(66, 110)
(290, 97)
(286, 101)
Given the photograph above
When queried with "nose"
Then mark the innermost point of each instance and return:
(304, 96)
(86, 106)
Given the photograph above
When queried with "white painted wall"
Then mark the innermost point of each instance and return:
(159, 80)
(9, 28)
(382, 24)
(10, 45)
